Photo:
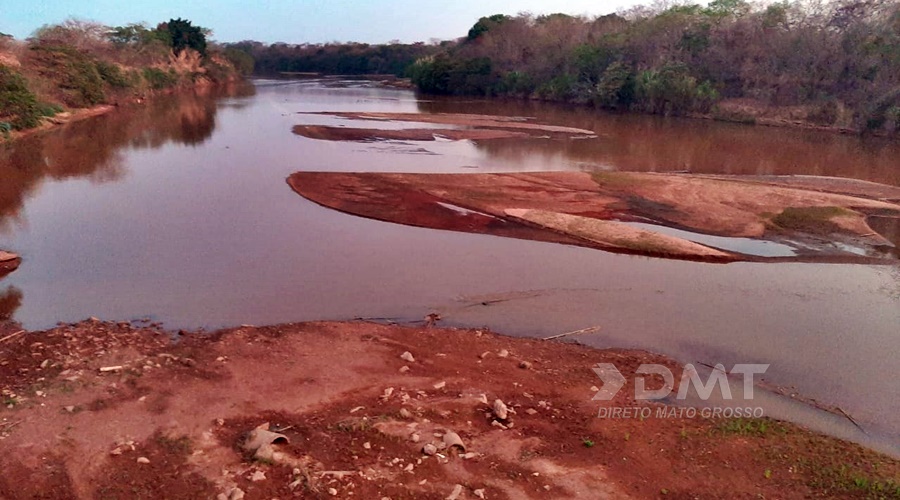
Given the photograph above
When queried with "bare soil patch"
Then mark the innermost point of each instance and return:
(356, 413)
(367, 134)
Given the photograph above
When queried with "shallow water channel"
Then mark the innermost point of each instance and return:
(179, 211)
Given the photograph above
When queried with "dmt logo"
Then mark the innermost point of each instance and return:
(613, 381)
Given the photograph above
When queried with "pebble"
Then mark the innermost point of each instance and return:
(531, 411)
(479, 493)
(404, 369)
(333, 492)
(440, 385)
(258, 476)
(503, 353)
(70, 409)
(415, 437)
(143, 460)
(367, 445)
(407, 356)
(405, 413)
(525, 365)
(429, 449)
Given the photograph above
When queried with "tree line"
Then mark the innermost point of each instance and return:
(333, 58)
(833, 64)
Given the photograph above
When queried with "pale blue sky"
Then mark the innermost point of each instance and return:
(296, 21)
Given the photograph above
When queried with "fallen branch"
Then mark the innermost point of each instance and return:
(854, 422)
(11, 335)
(10, 425)
(576, 332)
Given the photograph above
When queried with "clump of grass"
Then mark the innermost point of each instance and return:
(748, 427)
(114, 76)
(180, 445)
(815, 219)
(587, 443)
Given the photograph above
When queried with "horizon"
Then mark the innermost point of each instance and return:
(306, 21)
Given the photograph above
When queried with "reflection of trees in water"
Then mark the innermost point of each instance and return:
(93, 148)
(10, 300)
(649, 143)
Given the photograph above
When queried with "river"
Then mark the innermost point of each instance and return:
(178, 211)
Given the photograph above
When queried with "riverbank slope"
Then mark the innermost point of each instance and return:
(114, 410)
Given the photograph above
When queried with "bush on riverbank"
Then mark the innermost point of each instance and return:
(79, 64)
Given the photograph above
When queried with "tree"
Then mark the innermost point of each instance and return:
(485, 24)
(183, 35)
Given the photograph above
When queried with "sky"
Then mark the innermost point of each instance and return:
(296, 21)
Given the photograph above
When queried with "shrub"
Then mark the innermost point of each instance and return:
(75, 73)
(19, 108)
(113, 75)
(615, 89)
(671, 90)
(158, 79)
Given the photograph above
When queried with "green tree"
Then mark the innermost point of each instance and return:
(485, 24)
(184, 35)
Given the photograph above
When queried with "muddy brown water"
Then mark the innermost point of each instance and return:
(179, 211)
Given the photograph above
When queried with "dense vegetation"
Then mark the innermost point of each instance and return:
(333, 59)
(831, 64)
(80, 64)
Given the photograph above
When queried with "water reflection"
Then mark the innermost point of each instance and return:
(93, 149)
(648, 144)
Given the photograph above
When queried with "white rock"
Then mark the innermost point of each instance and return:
(503, 353)
(457, 491)
(333, 492)
(500, 409)
(143, 460)
(404, 369)
(405, 413)
(440, 385)
(479, 493)
(429, 449)
(407, 356)
(367, 445)
(258, 476)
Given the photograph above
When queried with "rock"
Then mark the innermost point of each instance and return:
(440, 385)
(409, 467)
(70, 409)
(469, 456)
(407, 356)
(333, 492)
(258, 476)
(531, 411)
(479, 493)
(387, 393)
(429, 449)
(503, 353)
(404, 369)
(367, 445)
(415, 437)
(484, 354)
(457, 491)
(525, 365)
(594, 388)
(262, 436)
(236, 494)
(143, 460)
(497, 423)
(7, 256)
(500, 409)
(405, 413)
(452, 439)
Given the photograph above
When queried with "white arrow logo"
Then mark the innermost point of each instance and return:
(612, 381)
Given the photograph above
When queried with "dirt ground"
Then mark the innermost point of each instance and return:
(816, 211)
(522, 124)
(363, 410)
(411, 134)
